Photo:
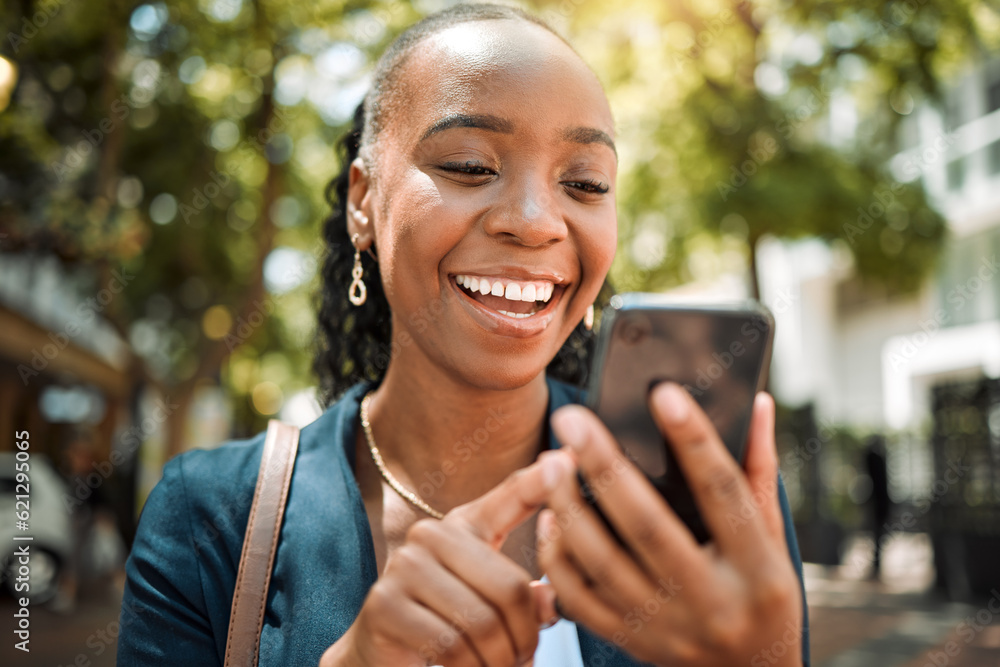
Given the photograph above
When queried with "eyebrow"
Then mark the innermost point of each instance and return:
(589, 135)
(480, 121)
(578, 135)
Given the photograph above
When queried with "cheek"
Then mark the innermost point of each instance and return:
(598, 240)
(417, 231)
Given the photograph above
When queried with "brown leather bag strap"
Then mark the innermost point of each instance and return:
(259, 544)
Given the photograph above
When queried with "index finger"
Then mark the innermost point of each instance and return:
(493, 515)
(717, 482)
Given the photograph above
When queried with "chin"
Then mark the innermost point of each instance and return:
(500, 370)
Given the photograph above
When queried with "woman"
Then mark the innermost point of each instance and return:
(481, 174)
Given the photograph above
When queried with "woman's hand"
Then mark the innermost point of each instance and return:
(735, 601)
(448, 596)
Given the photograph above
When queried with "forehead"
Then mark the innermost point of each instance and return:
(513, 69)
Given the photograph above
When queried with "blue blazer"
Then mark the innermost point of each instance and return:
(181, 572)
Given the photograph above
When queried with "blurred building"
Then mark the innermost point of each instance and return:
(922, 367)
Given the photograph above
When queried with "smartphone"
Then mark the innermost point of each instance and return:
(720, 353)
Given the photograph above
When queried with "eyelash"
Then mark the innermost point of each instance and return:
(470, 168)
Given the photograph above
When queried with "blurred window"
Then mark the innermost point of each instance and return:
(993, 97)
(963, 292)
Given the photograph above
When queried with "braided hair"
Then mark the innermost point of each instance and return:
(354, 342)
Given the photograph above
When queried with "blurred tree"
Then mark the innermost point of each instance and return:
(189, 143)
(743, 119)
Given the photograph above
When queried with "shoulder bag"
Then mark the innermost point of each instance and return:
(259, 544)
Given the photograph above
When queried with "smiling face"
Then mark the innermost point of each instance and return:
(492, 200)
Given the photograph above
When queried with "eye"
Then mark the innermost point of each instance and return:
(586, 189)
(593, 186)
(470, 170)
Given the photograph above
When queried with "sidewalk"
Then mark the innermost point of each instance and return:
(898, 621)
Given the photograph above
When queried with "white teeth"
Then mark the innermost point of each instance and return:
(517, 315)
(513, 291)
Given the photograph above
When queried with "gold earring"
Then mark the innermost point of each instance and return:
(588, 318)
(357, 293)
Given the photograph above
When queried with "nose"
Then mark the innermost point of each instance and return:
(527, 214)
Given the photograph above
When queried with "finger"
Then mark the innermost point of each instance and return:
(633, 506)
(719, 486)
(408, 623)
(437, 588)
(545, 603)
(617, 578)
(761, 465)
(576, 600)
(490, 574)
(492, 516)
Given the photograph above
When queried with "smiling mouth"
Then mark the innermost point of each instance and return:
(517, 299)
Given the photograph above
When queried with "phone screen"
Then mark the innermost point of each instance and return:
(717, 354)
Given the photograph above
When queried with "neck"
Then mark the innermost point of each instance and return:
(450, 442)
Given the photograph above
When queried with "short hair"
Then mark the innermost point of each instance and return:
(390, 64)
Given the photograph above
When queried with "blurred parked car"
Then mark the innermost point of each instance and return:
(49, 525)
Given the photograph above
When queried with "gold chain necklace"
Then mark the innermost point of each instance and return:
(404, 493)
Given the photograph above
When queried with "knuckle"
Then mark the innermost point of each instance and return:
(381, 599)
(407, 559)
(726, 630)
(775, 592)
(424, 531)
(721, 484)
(458, 653)
(646, 531)
(601, 571)
(517, 592)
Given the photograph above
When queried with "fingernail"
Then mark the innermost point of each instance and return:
(551, 472)
(674, 403)
(550, 602)
(568, 429)
(542, 524)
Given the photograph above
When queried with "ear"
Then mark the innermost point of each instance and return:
(359, 219)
